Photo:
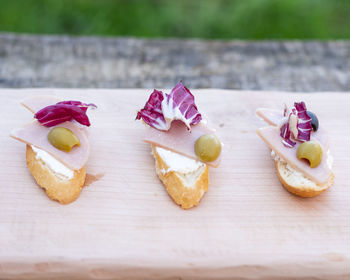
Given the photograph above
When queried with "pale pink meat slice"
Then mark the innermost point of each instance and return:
(274, 117)
(178, 139)
(271, 116)
(36, 103)
(36, 135)
(271, 137)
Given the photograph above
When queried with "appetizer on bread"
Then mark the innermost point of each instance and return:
(182, 144)
(57, 145)
(300, 148)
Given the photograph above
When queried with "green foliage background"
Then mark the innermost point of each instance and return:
(224, 19)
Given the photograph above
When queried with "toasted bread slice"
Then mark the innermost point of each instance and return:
(297, 183)
(185, 189)
(61, 190)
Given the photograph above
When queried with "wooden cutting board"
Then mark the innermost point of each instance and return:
(125, 226)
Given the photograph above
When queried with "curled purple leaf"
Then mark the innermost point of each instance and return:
(285, 134)
(64, 111)
(79, 104)
(298, 126)
(152, 112)
(161, 108)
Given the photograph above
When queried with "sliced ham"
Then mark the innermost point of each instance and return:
(36, 103)
(178, 139)
(271, 137)
(271, 116)
(274, 117)
(36, 134)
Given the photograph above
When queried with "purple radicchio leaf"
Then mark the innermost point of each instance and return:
(298, 126)
(152, 112)
(304, 122)
(79, 104)
(64, 111)
(161, 108)
(180, 105)
(286, 135)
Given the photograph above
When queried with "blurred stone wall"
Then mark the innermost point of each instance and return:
(96, 62)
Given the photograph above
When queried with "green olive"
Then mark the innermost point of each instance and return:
(63, 139)
(311, 151)
(207, 147)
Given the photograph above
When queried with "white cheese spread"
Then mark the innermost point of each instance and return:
(55, 166)
(177, 162)
(275, 156)
(188, 169)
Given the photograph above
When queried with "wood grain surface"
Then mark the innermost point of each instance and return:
(125, 226)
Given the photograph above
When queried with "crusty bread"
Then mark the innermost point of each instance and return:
(187, 196)
(63, 191)
(296, 183)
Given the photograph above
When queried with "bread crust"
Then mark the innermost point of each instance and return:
(302, 191)
(186, 197)
(63, 191)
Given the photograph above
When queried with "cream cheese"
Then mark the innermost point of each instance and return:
(275, 156)
(186, 168)
(177, 162)
(58, 168)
